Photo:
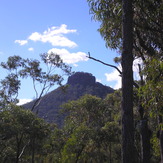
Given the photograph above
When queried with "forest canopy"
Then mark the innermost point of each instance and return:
(124, 126)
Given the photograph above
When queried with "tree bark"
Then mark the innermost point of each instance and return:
(161, 137)
(144, 130)
(145, 141)
(33, 150)
(161, 145)
(18, 149)
(127, 84)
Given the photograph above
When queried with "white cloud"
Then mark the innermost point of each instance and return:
(21, 42)
(59, 30)
(30, 49)
(70, 58)
(55, 36)
(75, 65)
(23, 101)
(114, 76)
(35, 36)
(136, 68)
(98, 80)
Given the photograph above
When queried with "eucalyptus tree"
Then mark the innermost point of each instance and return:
(124, 40)
(92, 130)
(19, 138)
(147, 28)
(19, 68)
(152, 96)
(127, 83)
(147, 24)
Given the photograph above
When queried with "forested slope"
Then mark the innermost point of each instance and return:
(78, 84)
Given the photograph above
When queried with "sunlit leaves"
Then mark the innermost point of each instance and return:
(109, 13)
(148, 18)
(13, 63)
(152, 91)
(9, 89)
(91, 126)
(46, 72)
(19, 129)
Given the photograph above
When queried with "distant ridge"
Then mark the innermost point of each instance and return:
(79, 84)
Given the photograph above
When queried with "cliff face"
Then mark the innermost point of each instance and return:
(79, 84)
(82, 79)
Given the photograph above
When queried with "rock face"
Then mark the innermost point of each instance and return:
(81, 78)
(79, 84)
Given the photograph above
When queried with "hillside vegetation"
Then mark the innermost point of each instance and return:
(78, 84)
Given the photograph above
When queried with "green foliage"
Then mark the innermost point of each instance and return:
(147, 44)
(20, 68)
(147, 24)
(109, 13)
(9, 89)
(74, 147)
(151, 94)
(92, 130)
(78, 84)
(91, 133)
(21, 133)
(155, 148)
(152, 91)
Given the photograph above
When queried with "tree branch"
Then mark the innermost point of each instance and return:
(23, 149)
(105, 63)
(120, 72)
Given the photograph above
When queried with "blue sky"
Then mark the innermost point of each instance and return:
(31, 27)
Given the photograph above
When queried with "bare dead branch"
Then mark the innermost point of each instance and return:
(97, 60)
(106, 64)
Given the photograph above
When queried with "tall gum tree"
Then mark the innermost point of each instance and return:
(127, 83)
(118, 33)
(147, 42)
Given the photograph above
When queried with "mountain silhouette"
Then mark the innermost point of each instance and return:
(79, 84)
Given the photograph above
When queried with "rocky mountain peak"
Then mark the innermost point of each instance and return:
(81, 78)
(80, 84)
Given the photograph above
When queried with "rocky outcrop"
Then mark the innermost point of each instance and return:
(81, 78)
(79, 84)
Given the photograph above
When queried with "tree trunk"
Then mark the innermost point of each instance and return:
(17, 156)
(17, 152)
(127, 84)
(110, 152)
(161, 137)
(144, 130)
(33, 150)
(145, 141)
(161, 145)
